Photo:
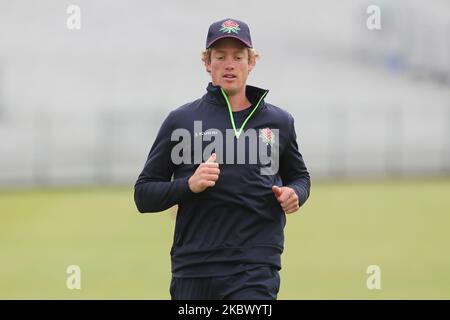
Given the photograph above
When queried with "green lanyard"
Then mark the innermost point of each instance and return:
(236, 132)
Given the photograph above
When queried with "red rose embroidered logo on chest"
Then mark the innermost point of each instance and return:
(267, 136)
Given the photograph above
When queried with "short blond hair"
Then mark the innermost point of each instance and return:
(253, 55)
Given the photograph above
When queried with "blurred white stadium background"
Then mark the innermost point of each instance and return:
(81, 107)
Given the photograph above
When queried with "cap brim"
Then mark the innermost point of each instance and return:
(229, 36)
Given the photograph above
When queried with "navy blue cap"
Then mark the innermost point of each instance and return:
(229, 28)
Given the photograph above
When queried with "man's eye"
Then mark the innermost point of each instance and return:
(219, 58)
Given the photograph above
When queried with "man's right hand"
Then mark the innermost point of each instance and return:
(205, 176)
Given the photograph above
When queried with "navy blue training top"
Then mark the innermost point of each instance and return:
(237, 224)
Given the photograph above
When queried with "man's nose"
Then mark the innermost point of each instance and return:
(229, 66)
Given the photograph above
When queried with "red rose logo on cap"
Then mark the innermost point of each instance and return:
(230, 26)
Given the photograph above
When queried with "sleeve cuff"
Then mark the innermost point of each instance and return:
(182, 187)
(301, 192)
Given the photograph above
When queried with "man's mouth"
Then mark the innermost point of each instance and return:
(229, 76)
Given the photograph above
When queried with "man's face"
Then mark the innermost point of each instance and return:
(229, 66)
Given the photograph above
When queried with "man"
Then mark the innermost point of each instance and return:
(236, 171)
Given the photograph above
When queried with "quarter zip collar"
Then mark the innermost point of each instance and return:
(215, 96)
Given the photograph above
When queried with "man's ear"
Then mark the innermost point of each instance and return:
(251, 64)
(208, 66)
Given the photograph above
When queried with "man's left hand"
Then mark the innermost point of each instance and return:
(287, 198)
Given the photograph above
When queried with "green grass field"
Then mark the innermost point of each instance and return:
(401, 226)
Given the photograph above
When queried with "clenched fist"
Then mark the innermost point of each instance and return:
(287, 198)
(205, 176)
